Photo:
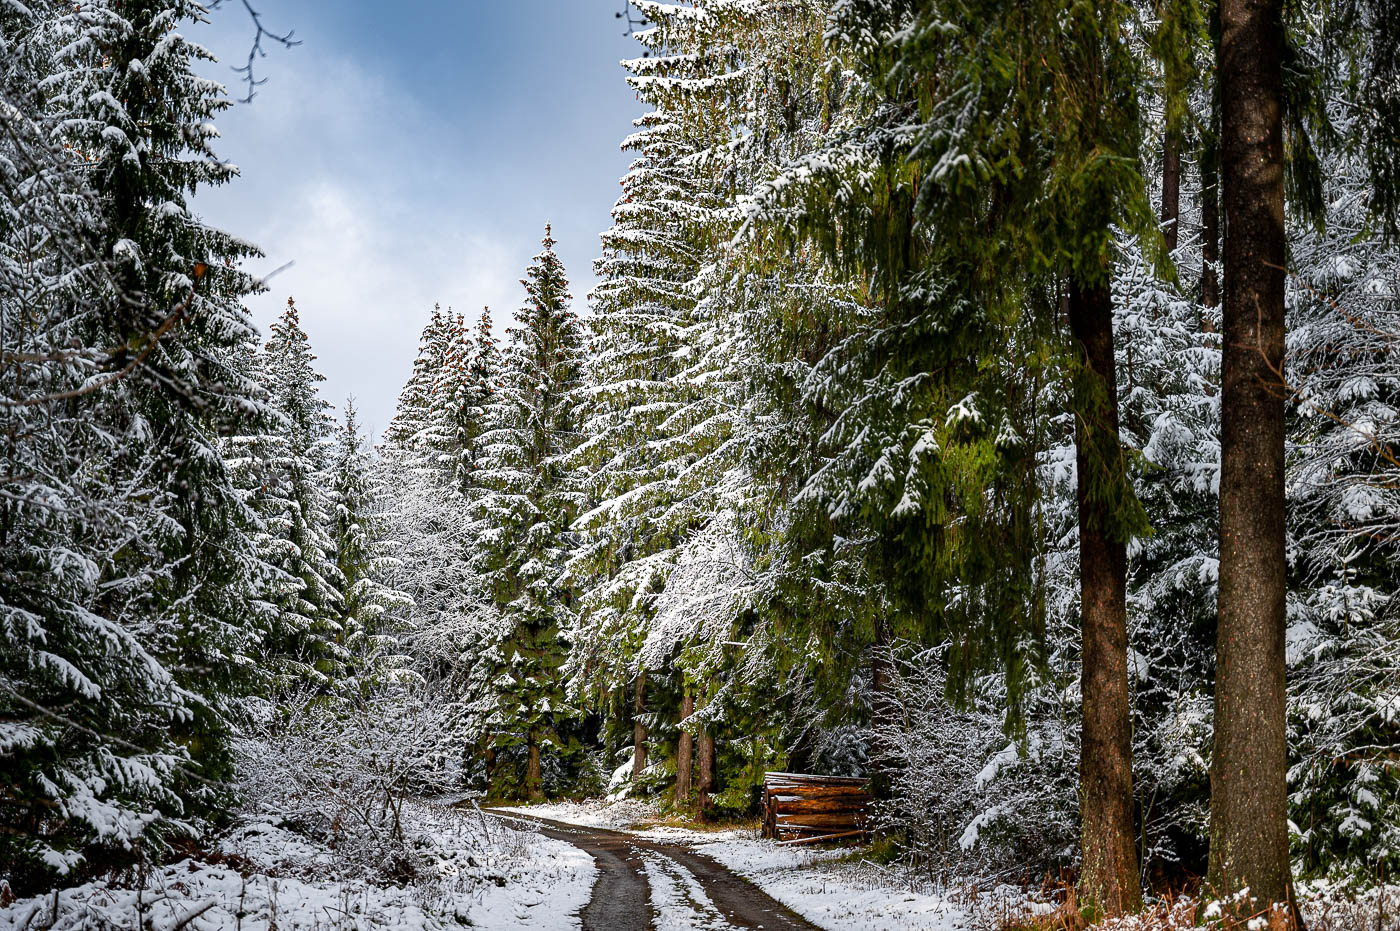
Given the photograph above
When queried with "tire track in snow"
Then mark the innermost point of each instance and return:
(738, 902)
(678, 901)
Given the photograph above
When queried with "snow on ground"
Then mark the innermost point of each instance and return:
(477, 873)
(678, 901)
(829, 890)
(825, 886)
(617, 815)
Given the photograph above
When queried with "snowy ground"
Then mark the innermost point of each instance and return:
(826, 887)
(478, 873)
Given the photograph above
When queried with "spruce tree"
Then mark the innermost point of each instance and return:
(307, 639)
(660, 422)
(371, 608)
(1343, 486)
(524, 516)
(1249, 824)
(127, 620)
(1269, 105)
(1000, 172)
(413, 416)
(477, 391)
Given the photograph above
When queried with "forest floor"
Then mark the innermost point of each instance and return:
(471, 871)
(597, 865)
(610, 867)
(712, 879)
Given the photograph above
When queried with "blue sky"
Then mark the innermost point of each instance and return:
(411, 152)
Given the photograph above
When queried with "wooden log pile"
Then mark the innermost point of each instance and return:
(800, 809)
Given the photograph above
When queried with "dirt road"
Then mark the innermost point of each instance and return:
(646, 885)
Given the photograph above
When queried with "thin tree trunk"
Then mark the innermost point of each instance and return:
(683, 752)
(1110, 879)
(1210, 233)
(705, 779)
(1210, 189)
(1248, 798)
(1171, 188)
(534, 774)
(490, 756)
(639, 730)
(883, 709)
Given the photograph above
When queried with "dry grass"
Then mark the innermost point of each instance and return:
(678, 819)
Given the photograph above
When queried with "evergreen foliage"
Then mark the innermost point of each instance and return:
(307, 638)
(127, 557)
(529, 500)
(813, 483)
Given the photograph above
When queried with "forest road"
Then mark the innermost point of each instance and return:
(644, 885)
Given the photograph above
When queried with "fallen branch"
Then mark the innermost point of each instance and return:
(192, 915)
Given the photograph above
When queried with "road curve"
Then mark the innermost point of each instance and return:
(621, 900)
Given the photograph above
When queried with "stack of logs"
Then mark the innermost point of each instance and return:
(803, 809)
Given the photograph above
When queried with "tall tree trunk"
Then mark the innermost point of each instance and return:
(534, 774)
(1248, 797)
(1171, 187)
(883, 709)
(639, 730)
(1110, 873)
(705, 779)
(683, 752)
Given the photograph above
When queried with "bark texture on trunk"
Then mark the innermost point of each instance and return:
(1248, 798)
(705, 778)
(1110, 878)
(683, 753)
(884, 710)
(534, 774)
(1171, 188)
(639, 730)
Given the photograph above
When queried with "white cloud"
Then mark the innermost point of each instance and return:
(391, 196)
(364, 286)
(331, 183)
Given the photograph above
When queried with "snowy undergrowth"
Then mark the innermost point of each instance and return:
(475, 872)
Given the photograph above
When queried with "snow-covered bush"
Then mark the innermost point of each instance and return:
(963, 799)
(341, 772)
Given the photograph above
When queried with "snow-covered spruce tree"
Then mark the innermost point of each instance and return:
(372, 610)
(475, 392)
(128, 567)
(925, 454)
(425, 515)
(306, 639)
(408, 430)
(527, 503)
(934, 195)
(784, 306)
(660, 431)
(454, 409)
(441, 407)
(1343, 476)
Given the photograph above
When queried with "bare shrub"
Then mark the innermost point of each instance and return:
(340, 773)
